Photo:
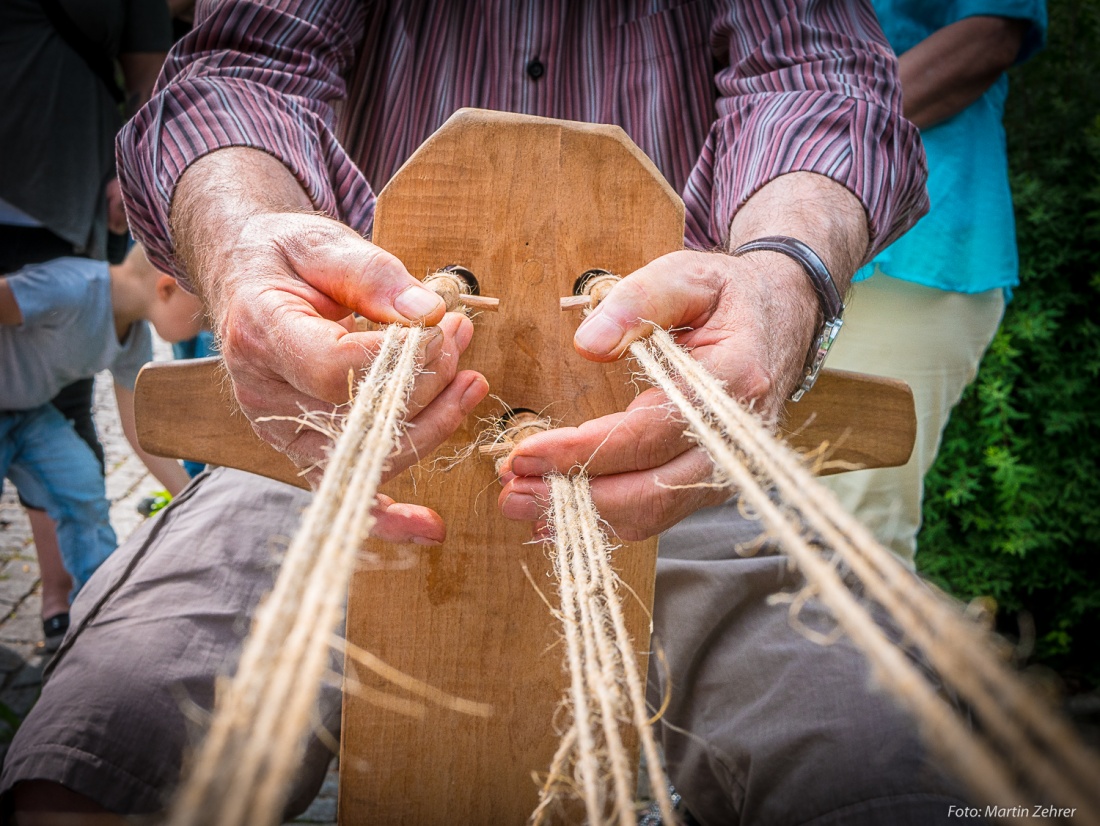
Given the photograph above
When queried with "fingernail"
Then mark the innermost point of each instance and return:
(473, 395)
(426, 541)
(416, 302)
(431, 345)
(598, 333)
(530, 466)
(520, 506)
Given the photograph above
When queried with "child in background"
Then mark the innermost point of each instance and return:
(63, 320)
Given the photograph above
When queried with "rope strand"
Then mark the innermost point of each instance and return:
(243, 770)
(1048, 755)
(606, 686)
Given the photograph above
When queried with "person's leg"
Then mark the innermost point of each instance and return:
(56, 582)
(933, 340)
(74, 402)
(59, 468)
(124, 699)
(764, 725)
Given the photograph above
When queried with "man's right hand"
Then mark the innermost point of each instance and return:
(280, 283)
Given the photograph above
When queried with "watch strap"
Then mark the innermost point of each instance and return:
(828, 296)
(827, 293)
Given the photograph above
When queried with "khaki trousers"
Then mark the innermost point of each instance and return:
(932, 339)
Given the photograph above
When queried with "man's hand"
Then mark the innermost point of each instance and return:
(750, 320)
(747, 322)
(281, 284)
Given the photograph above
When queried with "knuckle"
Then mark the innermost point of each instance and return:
(301, 237)
(755, 382)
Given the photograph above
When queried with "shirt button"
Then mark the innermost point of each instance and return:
(535, 69)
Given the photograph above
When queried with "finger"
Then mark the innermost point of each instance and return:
(437, 372)
(289, 428)
(402, 522)
(647, 435)
(436, 422)
(679, 289)
(431, 427)
(359, 275)
(315, 356)
(635, 505)
(302, 428)
(280, 414)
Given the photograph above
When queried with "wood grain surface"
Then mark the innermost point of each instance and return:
(527, 205)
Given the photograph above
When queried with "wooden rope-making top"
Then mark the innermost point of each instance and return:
(459, 634)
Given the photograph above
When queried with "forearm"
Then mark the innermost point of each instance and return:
(814, 209)
(250, 75)
(948, 71)
(215, 198)
(809, 87)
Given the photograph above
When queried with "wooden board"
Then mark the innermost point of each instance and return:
(185, 411)
(851, 421)
(527, 205)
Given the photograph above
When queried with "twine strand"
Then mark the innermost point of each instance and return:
(243, 770)
(1046, 752)
(606, 687)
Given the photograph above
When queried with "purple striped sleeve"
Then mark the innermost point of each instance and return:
(217, 91)
(811, 86)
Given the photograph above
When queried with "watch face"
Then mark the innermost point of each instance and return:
(818, 351)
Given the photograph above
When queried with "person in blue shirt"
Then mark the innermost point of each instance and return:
(929, 305)
(60, 321)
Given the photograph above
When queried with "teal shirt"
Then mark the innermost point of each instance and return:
(967, 241)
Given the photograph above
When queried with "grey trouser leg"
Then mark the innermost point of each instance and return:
(780, 729)
(129, 691)
(766, 726)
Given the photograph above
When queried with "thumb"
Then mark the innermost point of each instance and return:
(338, 262)
(678, 289)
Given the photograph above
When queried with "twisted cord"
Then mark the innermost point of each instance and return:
(1046, 753)
(606, 688)
(256, 738)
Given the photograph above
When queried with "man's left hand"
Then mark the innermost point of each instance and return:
(749, 321)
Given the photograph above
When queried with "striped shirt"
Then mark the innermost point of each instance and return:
(723, 96)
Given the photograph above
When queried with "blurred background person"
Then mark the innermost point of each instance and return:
(70, 72)
(61, 320)
(932, 301)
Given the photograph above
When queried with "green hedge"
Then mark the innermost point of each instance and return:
(1012, 505)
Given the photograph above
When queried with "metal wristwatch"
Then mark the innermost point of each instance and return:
(832, 307)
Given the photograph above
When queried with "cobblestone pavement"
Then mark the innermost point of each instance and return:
(22, 656)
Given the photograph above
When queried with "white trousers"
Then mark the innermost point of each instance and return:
(933, 339)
